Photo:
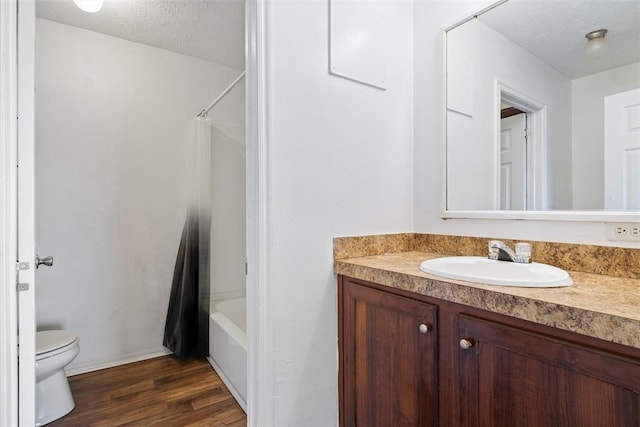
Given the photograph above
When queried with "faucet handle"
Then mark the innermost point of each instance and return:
(494, 249)
(523, 252)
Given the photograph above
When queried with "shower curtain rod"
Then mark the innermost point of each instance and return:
(204, 112)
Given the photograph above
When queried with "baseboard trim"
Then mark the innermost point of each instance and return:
(114, 363)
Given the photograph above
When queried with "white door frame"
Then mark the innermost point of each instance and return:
(8, 213)
(260, 378)
(17, 357)
(260, 357)
(26, 212)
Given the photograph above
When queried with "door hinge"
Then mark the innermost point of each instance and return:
(22, 266)
(23, 287)
(246, 267)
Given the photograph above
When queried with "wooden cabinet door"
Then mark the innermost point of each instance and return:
(388, 361)
(513, 378)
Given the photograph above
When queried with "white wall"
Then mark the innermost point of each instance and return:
(588, 130)
(472, 159)
(430, 16)
(112, 121)
(340, 163)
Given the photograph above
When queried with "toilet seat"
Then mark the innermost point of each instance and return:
(51, 343)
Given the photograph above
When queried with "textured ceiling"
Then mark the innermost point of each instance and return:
(554, 30)
(206, 29)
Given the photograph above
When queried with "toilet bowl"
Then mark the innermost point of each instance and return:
(54, 351)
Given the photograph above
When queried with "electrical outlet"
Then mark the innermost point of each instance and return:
(620, 231)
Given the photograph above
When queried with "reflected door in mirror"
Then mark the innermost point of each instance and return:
(513, 162)
(622, 156)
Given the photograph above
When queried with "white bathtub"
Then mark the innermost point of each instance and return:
(228, 346)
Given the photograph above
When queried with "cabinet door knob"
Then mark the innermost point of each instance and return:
(466, 343)
(424, 328)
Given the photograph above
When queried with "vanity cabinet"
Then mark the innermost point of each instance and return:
(473, 367)
(388, 359)
(513, 377)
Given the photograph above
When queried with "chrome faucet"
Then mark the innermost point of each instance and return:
(500, 251)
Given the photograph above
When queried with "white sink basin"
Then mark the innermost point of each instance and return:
(492, 272)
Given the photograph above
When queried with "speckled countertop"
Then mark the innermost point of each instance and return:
(596, 305)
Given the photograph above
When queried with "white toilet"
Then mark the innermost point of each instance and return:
(54, 351)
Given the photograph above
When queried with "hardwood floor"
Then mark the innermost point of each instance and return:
(157, 392)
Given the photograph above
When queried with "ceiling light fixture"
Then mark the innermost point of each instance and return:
(90, 6)
(596, 44)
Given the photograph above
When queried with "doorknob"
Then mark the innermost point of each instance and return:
(424, 328)
(466, 343)
(48, 261)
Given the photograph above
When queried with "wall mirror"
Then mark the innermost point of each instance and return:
(540, 118)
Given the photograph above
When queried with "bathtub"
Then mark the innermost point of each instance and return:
(228, 346)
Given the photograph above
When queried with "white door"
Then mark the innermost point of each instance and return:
(513, 162)
(8, 217)
(622, 151)
(26, 214)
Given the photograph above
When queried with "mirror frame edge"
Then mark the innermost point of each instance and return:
(582, 216)
(550, 215)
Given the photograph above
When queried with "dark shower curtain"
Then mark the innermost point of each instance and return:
(186, 330)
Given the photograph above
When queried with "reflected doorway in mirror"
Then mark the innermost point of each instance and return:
(522, 170)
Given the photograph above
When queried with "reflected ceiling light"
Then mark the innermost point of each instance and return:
(90, 6)
(596, 44)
